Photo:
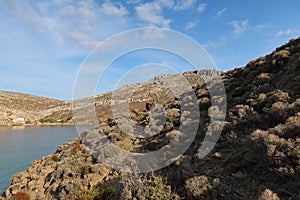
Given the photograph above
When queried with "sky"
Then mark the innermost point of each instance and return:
(43, 44)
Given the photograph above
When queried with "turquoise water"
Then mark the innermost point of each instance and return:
(19, 146)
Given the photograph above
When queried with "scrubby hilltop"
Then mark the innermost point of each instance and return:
(256, 157)
(19, 109)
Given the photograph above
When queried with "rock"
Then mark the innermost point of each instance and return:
(218, 155)
(268, 195)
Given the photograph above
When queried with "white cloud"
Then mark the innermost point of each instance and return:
(201, 7)
(82, 11)
(152, 13)
(221, 12)
(239, 26)
(71, 27)
(153, 35)
(50, 38)
(184, 4)
(215, 44)
(133, 1)
(82, 38)
(31, 18)
(166, 3)
(60, 2)
(287, 32)
(176, 5)
(79, 16)
(192, 24)
(110, 9)
(259, 26)
(83, 22)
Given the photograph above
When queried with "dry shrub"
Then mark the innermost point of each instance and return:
(279, 147)
(268, 195)
(145, 186)
(21, 196)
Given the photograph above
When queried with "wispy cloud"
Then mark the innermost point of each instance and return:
(152, 14)
(184, 4)
(166, 3)
(192, 24)
(82, 38)
(111, 9)
(52, 38)
(215, 44)
(287, 32)
(220, 12)
(239, 27)
(133, 1)
(64, 22)
(259, 26)
(31, 18)
(201, 7)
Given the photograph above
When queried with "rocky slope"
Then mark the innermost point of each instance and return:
(20, 109)
(256, 157)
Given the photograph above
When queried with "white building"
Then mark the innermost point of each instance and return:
(18, 120)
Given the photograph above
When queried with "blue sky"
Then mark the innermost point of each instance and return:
(43, 43)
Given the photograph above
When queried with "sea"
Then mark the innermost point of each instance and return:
(21, 145)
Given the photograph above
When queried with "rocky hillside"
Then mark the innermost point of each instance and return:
(256, 157)
(20, 109)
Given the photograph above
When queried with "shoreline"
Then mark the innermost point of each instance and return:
(30, 125)
(28, 128)
(46, 124)
(40, 126)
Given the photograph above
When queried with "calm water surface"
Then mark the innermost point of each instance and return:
(19, 146)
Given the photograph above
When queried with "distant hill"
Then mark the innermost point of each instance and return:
(256, 157)
(17, 109)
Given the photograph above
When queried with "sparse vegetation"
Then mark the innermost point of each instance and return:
(21, 196)
(84, 170)
(158, 190)
(146, 186)
(101, 193)
(47, 120)
(55, 158)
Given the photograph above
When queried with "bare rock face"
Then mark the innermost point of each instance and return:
(257, 156)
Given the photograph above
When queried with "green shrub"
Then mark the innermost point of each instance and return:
(28, 122)
(87, 195)
(105, 194)
(69, 118)
(101, 193)
(55, 158)
(159, 190)
(47, 120)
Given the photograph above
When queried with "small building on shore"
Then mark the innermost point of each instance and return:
(18, 120)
